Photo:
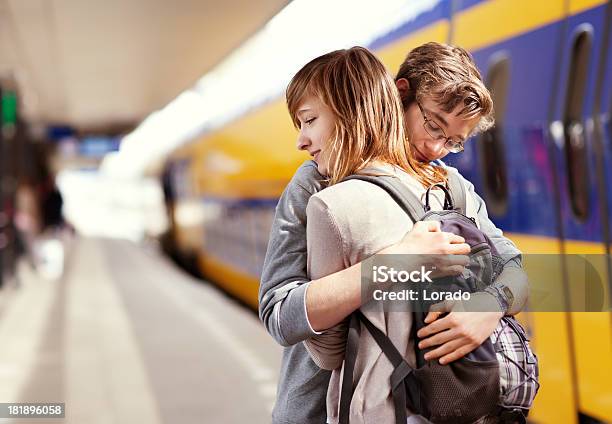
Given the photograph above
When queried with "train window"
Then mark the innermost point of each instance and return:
(491, 142)
(575, 143)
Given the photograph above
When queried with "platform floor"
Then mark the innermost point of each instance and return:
(126, 337)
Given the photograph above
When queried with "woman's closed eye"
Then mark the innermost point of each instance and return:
(309, 121)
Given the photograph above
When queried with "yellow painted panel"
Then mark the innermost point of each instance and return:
(543, 244)
(578, 290)
(241, 285)
(577, 6)
(393, 55)
(535, 244)
(502, 19)
(584, 247)
(554, 403)
(492, 21)
(253, 157)
(593, 347)
(592, 331)
(588, 282)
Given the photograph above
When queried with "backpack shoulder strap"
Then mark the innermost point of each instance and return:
(404, 387)
(350, 357)
(405, 198)
(457, 191)
(400, 372)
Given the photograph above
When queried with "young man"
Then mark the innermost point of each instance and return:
(445, 102)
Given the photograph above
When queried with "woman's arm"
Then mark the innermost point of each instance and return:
(327, 255)
(330, 300)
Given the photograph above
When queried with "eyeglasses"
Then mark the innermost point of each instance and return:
(437, 133)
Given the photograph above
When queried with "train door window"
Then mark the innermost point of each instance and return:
(573, 125)
(492, 141)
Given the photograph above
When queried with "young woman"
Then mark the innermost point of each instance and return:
(291, 306)
(350, 117)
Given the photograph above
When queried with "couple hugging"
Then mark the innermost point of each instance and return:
(354, 118)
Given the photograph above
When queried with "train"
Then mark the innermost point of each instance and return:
(549, 67)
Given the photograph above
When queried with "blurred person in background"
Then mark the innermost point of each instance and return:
(27, 220)
(52, 203)
(50, 246)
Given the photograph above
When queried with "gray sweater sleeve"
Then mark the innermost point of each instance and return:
(284, 281)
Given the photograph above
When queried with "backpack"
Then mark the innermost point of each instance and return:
(499, 378)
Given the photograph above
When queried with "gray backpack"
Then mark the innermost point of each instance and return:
(499, 378)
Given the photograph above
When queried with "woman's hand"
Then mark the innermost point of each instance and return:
(426, 238)
(426, 244)
(462, 330)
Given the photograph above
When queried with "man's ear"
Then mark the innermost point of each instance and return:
(403, 86)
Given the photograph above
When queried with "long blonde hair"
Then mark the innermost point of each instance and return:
(356, 86)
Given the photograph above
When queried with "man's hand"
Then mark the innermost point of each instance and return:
(462, 330)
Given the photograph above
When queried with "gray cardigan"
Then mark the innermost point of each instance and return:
(303, 385)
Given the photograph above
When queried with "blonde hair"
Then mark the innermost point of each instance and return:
(449, 76)
(362, 95)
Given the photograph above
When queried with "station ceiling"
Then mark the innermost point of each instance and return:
(95, 64)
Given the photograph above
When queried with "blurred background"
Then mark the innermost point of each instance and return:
(144, 145)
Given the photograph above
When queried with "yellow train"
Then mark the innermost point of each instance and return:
(550, 68)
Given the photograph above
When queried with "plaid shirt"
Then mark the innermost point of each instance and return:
(518, 370)
(518, 365)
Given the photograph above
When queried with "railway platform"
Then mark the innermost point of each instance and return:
(126, 337)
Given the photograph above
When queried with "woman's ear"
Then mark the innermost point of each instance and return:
(403, 86)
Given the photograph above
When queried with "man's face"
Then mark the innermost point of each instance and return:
(425, 147)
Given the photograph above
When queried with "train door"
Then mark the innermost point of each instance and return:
(581, 151)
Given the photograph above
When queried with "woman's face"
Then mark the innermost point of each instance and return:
(425, 147)
(316, 128)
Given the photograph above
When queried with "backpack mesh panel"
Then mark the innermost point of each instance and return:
(445, 387)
